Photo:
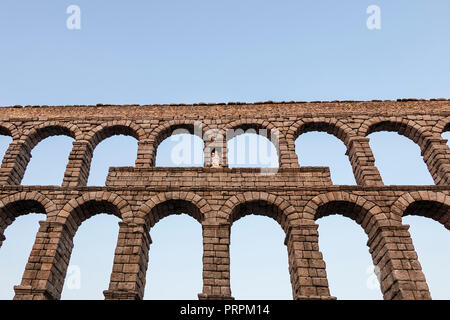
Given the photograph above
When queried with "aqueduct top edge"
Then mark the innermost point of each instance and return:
(375, 107)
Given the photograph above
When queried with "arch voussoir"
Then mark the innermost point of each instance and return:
(145, 210)
(48, 205)
(287, 211)
(431, 204)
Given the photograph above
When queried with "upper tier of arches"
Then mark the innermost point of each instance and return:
(352, 131)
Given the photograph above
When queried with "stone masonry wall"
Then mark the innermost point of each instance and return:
(292, 195)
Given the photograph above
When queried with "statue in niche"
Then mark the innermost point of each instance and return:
(215, 159)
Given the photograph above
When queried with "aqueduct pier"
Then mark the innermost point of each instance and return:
(294, 196)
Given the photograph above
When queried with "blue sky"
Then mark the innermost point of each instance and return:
(210, 51)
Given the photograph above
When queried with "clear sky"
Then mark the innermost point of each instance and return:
(209, 51)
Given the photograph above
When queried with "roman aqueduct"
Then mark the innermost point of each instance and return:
(294, 196)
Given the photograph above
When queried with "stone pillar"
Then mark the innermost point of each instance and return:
(436, 155)
(14, 163)
(288, 156)
(130, 263)
(77, 170)
(144, 154)
(282, 148)
(306, 265)
(400, 273)
(216, 263)
(45, 271)
(363, 162)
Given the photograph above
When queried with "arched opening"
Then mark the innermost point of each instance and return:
(259, 260)
(399, 160)
(251, 150)
(324, 149)
(178, 145)
(75, 283)
(49, 155)
(91, 261)
(431, 241)
(446, 136)
(5, 141)
(344, 249)
(435, 210)
(349, 266)
(12, 210)
(258, 257)
(48, 162)
(180, 150)
(18, 228)
(15, 251)
(397, 151)
(115, 151)
(175, 258)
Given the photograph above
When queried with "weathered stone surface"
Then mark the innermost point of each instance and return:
(294, 196)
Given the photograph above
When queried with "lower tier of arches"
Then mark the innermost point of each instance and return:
(378, 210)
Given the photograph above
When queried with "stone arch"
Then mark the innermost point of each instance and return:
(255, 124)
(132, 270)
(442, 126)
(429, 204)
(362, 211)
(386, 238)
(50, 128)
(116, 127)
(440, 146)
(56, 235)
(166, 203)
(78, 169)
(18, 154)
(273, 134)
(273, 206)
(405, 127)
(434, 153)
(361, 162)
(89, 204)
(306, 266)
(162, 132)
(22, 203)
(334, 127)
(9, 129)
